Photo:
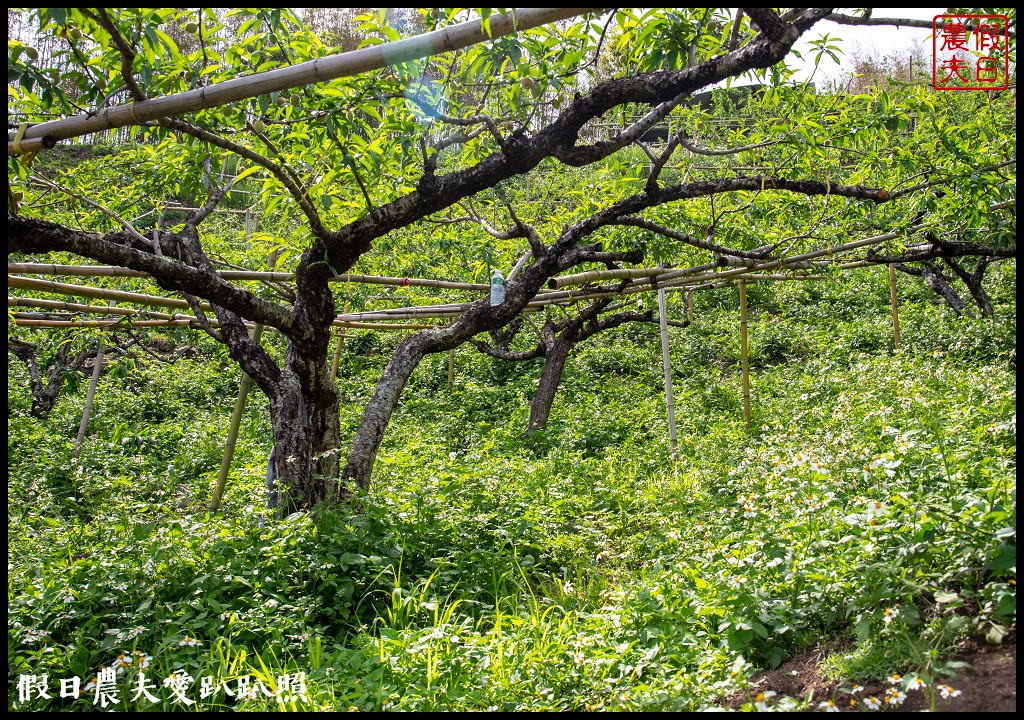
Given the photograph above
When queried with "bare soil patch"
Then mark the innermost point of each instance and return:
(989, 684)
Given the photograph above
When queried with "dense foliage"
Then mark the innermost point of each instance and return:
(870, 505)
(579, 568)
(418, 150)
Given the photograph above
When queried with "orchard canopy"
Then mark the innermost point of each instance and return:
(586, 155)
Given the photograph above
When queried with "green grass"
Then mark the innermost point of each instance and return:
(581, 568)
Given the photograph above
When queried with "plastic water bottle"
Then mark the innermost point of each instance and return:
(497, 288)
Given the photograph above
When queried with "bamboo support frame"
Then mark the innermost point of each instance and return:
(295, 76)
(354, 320)
(451, 368)
(255, 275)
(24, 283)
(678, 280)
(744, 361)
(689, 306)
(666, 362)
(895, 307)
(115, 323)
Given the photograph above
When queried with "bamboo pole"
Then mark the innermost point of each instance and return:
(689, 305)
(320, 70)
(97, 368)
(236, 417)
(895, 307)
(113, 324)
(786, 262)
(558, 282)
(666, 363)
(732, 261)
(337, 349)
(684, 272)
(77, 308)
(337, 354)
(451, 367)
(25, 283)
(744, 363)
(385, 326)
(194, 322)
(232, 438)
(114, 271)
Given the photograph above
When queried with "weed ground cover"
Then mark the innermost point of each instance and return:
(872, 502)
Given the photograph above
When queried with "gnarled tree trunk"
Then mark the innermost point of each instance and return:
(555, 356)
(44, 394)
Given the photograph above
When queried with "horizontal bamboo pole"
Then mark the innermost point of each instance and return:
(155, 301)
(733, 261)
(558, 282)
(114, 324)
(384, 326)
(194, 322)
(24, 283)
(413, 282)
(786, 262)
(683, 272)
(114, 271)
(314, 71)
(77, 308)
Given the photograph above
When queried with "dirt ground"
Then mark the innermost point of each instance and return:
(988, 685)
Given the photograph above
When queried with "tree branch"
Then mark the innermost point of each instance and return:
(768, 23)
(559, 139)
(315, 224)
(31, 235)
(125, 50)
(502, 354)
(898, 22)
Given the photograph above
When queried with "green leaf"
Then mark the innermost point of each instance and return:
(1005, 558)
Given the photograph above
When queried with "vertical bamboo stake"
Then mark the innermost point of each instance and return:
(96, 370)
(337, 353)
(895, 306)
(232, 438)
(337, 348)
(451, 367)
(667, 365)
(236, 416)
(744, 364)
(689, 305)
